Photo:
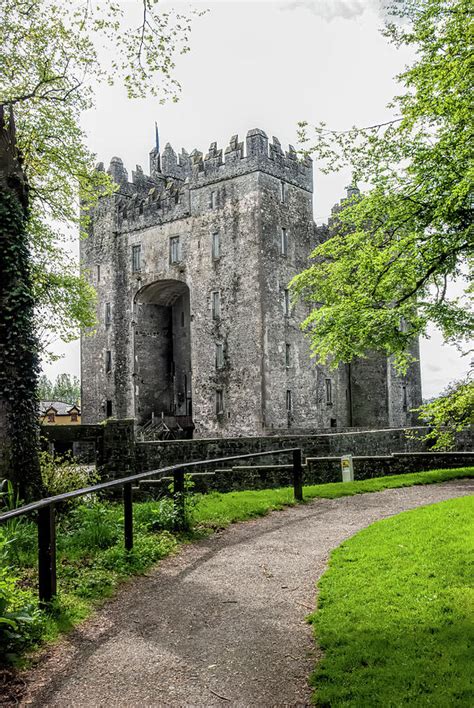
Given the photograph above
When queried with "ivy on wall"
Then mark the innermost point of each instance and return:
(19, 364)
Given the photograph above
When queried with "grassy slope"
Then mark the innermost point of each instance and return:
(395, 615)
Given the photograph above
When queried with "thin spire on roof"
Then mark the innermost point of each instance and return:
(157, 138)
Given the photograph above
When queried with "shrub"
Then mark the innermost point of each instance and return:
(61, 474)
(93, 525)
(20, 621)
(156, 516)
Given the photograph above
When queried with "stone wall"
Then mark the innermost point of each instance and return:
(317, 471)
(152, 455)
(376, 453)
(328, 469)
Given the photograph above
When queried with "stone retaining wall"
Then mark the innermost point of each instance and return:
(117, 454)
(328, 469)
(152, 455)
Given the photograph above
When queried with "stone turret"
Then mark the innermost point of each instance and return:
(117, 171)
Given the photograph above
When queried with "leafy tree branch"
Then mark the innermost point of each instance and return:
(394, 250)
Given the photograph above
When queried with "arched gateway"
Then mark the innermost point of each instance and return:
(162, 345)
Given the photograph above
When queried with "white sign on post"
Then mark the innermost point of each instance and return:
(347, 468)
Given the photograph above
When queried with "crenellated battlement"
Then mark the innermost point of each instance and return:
(163, 202)
(259, 154)
(239, 157)
(163, 195)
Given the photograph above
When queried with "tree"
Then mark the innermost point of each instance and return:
(449, 414)
(66, 388)
(383, 277)
(49, 70)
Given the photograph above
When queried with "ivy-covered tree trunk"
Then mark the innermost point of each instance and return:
(19, 362)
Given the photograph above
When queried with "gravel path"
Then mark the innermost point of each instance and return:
(223, 622)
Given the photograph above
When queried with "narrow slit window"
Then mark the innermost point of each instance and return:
(108, 409)
(136, 258)
(328, 392)
(108, 314)
(289, 401)
(216, 246)
(288, 355)
(405, 398)
(219, 355)
(216, 304)
(98, 273)
(182, 318)
(219, 401)
(175, 249)
(213, 200)
(108, 361)
(283, 192)
(284, 242)
(286, 302)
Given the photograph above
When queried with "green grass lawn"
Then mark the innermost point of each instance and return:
(92, 563)
(219, 510)
(395, 614)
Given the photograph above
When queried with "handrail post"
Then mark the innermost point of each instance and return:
(179, 501)
(297, 475)
(128, 515)
(46, 555)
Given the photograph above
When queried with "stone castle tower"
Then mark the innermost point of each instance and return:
(191, 266)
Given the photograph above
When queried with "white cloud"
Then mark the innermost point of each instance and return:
(339, 9)
(329, 9)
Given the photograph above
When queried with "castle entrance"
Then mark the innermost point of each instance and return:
(163, 393)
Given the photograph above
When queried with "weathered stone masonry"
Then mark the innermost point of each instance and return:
(191, 266)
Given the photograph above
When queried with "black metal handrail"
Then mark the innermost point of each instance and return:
(46, 507)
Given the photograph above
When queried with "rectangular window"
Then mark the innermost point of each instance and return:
(219, 355)
(405, 398)
(136, 258)
(216, 246)
(283, 192)
(289, 402)
(216, 304)
(219, 401)
(213, 200)
(284, 242)
(50, 417)
(108, 409)
(175, 250)
(288, 355)
(108, 314)
(328, 391)
(286, 302)
(98, 273)
(73, 417)
(108, 361)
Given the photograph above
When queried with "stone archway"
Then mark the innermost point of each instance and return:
(163, 352)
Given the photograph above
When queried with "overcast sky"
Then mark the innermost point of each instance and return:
(267, 65)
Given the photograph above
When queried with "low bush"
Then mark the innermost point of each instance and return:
(62, 473)
(20, 621)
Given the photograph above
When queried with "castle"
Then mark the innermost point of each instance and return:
(195, 322)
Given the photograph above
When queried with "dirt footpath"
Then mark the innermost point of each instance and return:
(223, 622)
